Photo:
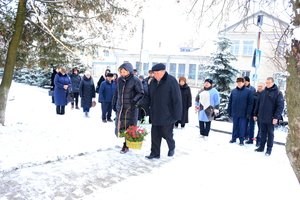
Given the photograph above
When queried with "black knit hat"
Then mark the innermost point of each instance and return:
(158, 67)
(109, 74)
(247, 78)
(209, 81)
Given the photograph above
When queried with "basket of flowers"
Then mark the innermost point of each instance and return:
(134, 136)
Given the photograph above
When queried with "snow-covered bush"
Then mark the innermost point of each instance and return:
(33, 76)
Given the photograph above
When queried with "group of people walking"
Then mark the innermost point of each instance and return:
(167, 102)
(67, 88)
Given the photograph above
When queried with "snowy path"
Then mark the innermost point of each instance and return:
(45, 156)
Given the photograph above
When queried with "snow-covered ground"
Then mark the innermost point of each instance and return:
(47, 156)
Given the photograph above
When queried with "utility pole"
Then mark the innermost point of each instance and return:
(257, 51)
(141, 51)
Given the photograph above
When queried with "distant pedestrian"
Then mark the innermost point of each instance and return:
(61, 84)
(135, 72)
(186, 97)
(128, 93)
(150, 77)
(165, 109)
(75, 80)
(115, 77)
(101, 79)
(250, 122)
(54, 72)
(148, 81)
(268, 110)
(106, 93)
(87, 92)
(207, 105)
(143, 110)
(240, 108)
(260, 88)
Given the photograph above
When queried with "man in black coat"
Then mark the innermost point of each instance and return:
(165, 109)
(268, 109)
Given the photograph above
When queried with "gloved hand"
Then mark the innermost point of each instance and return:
(216, 112)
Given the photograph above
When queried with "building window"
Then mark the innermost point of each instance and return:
(146, 68)
(105, 53)
(245, 73)
(154, 63)
(192, 71)
(181, 70)
(248, 48)
(235, 47)
(138, 66)
(281, 49)
(202, 72)
(172, 70)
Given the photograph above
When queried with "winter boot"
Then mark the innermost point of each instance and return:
(259, 149)
(268, 152)
(257, 143)
(232, 141)
(250, 141)
(124, 149)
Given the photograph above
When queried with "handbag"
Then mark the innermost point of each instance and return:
(51, 93)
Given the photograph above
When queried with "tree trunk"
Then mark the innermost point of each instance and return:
(11, 57)
(293, 99)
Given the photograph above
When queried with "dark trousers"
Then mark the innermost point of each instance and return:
(181, 123)
(106, 108)
(204, 127)
(85, 110)
(60, 110)
(250, 128)
(258, 136)
(267, 135)
(239, 128)
(159, 132)
(76, 97)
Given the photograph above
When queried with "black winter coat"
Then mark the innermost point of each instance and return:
(86, 92)
(270, 105)
(128, 94)
(75, 81)
(186, 96)
(165, 101)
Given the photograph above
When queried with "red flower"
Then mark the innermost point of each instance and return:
(134, 133)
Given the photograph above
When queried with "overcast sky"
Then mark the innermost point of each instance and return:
(168, 26)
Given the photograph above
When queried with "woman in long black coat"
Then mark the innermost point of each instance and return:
(87, 92)
(186, 102)
(127, 96)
